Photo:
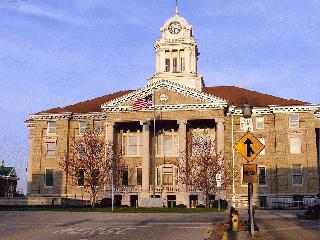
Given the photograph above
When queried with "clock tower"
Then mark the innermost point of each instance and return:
(177, 54)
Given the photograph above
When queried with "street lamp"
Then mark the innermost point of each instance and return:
(247, 113)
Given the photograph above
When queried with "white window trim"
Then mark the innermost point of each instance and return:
(173, 134)
(55, 151)
(45, 177)
(80, 133)
(290, 126)
(55, 128)
(94, 126)
(138, 134)
(297, 185)
(265, 168)
(259, 117)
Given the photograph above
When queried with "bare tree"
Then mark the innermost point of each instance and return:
(89, 163)
(200, 164)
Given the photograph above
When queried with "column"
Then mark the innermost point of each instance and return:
(220, 135)
(145, 156)
(109, 132)
(171, 62)
(182, 136)
(187, 59)
(162, 60)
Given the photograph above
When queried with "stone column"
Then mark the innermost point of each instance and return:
(162, 59)
(220, 135)
(187, 59)
(109, 132)
(182, 135)
(145, 156)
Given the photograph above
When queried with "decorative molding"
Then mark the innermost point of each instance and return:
(166, 107)
(210, 100)
(29, 124)
(93, 115)
(50, 116)
(276, 109)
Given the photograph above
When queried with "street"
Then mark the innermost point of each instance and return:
(134, 226)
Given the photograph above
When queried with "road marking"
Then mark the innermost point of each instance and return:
(190, 227)
(289, 228)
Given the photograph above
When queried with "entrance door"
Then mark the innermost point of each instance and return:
(134, 201)
(171, 201)
(117, 200)
(193, 201)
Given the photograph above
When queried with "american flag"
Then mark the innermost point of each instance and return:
(141, 103)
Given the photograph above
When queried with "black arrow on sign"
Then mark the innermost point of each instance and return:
(250, 151)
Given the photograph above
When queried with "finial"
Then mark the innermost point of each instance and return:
(177, 10)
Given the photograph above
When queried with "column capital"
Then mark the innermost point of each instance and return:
(219, 120)
(110, 123)
(182, 122)
(145, 122)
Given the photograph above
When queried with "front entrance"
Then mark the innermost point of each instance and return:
(193, 201)
(171, 201)
(134, 201)
(117, 200)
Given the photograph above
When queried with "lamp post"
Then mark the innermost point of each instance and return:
(247, 113)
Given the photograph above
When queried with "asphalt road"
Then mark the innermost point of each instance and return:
(134, 226)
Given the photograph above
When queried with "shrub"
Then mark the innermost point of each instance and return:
(223, 204)
(201, 206)
(181, 206)
(313, 212)
(105, 202)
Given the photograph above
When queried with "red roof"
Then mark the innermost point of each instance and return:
(236, 96)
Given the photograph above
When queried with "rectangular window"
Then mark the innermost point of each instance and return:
(263, 141)
(49, 177)
(263, 201)
(80, 178)
(167, 143)
(125, 176)
(262, 175)
(97, 127)
(82, 127)
(182, 64)
(293, 121)
(51, 149)
(167, 179)
(139, 176)
(167, 64)
(175, 64)
(259, 122)
(51, 128)
(296, 174)
(81, 150)
(132, 143)
(295, 145)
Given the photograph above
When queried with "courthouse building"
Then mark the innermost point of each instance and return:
(288, 167)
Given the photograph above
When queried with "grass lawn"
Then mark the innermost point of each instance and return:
(116, 210)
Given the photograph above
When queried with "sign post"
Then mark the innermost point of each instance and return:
(249, 147)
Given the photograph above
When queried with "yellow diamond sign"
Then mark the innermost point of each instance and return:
(249, 146)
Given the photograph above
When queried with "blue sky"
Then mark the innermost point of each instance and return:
(54, 53)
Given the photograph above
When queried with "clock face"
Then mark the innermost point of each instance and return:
(174, 28)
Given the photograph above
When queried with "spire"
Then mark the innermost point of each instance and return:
(177, 10)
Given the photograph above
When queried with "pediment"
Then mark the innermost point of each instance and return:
(166, 95)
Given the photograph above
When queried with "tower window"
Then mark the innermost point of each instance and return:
(167, 66)
(175, 64)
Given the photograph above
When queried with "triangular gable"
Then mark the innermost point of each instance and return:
(204, 100)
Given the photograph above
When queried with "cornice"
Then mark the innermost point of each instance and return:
(210, 100)
(271, 109)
